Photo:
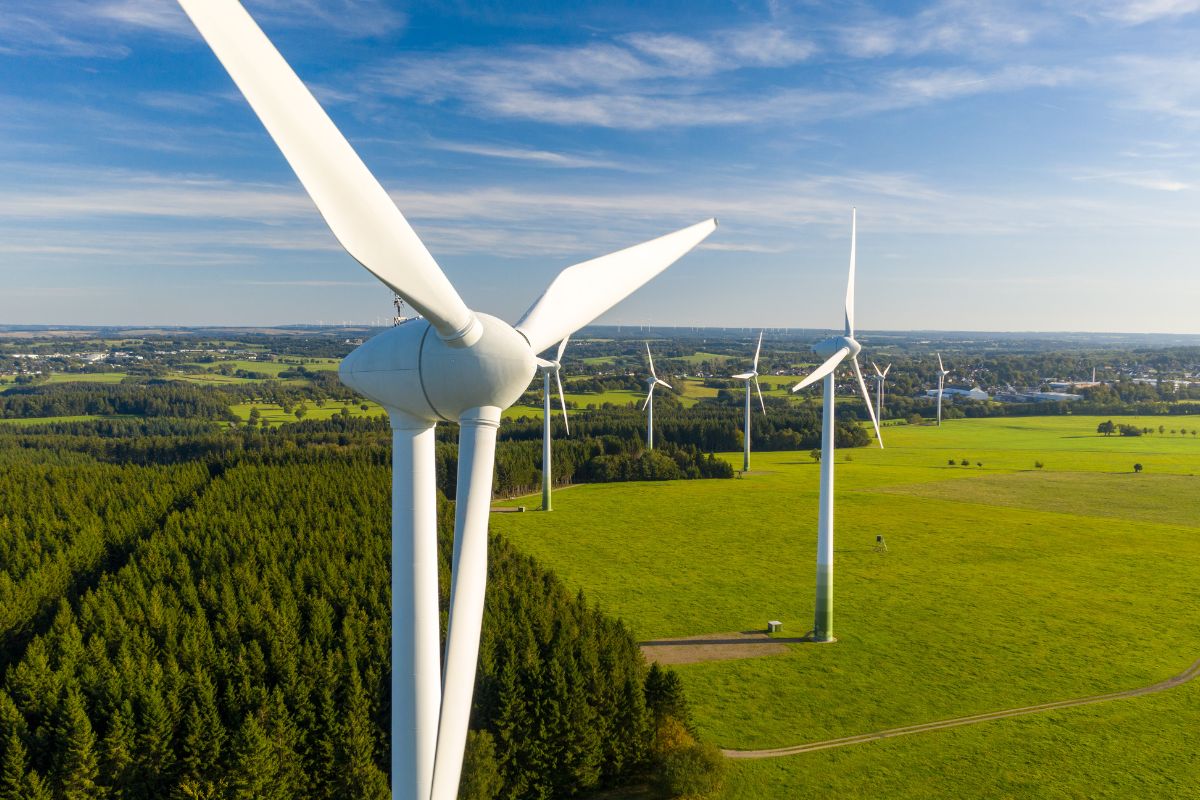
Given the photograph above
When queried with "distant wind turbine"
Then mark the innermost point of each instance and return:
(942, 373)
(833, 350)
(648, 406)
(880, 378)
(748, 377)
(548, 367)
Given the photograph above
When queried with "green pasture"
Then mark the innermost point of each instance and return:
(25, 421)
(1004, 585)
(87, 377)
(275, 415)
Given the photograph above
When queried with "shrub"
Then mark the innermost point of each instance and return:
(1038, 465)
(966, 462)
(694, 770)
(1137, 467)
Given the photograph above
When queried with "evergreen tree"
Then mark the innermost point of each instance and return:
(78, 767)
(252, 776)
(13, 768)
(361, 777)
(116, 750)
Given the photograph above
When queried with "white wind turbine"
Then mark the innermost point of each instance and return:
(880, 377)
(648, 406)
(942, 373)
(748, 377)
(833, 350)
(548, 367)
(454, 364)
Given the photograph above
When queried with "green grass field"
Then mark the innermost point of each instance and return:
(275, 415)
(1004, 585)
(87, 377)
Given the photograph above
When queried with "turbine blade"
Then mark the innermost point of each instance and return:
(758, 350)
(760, 397)
(649, 394)
(862, 385)
(850, 282)
(940, 367)
(876, 368)
(476, 464)
(820, 372)
(886, 370)
(663, 383)
(543, 363)
(357, 209)
(562, 347)
(585, 291)
(562, 398)
(742, 376)
(652, 373)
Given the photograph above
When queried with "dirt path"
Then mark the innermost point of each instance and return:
(1169, 683)
(715, 647)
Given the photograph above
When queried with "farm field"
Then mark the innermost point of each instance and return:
(1004, 585)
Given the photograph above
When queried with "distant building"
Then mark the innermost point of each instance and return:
(974, 393)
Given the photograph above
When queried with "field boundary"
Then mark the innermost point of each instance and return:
(891, 733)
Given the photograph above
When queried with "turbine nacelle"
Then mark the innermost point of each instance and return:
(411, 369)
(826, 348)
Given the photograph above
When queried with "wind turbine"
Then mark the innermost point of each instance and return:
(880, 377)
(648, 406)
(752, 375)
(454, 364)
(833, 350)
(942, 373)
(548, 367)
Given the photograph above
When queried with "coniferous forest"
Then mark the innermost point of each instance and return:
(191, 613)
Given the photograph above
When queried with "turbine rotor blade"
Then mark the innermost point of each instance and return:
(886, 370)
(941, 367)
(742, 376)
(862, 385)
(760, 397)
(562, 346)
(820, 372)
(662, 383)
(562, 398)
(543, 363)
(649, 394)
(758, 350)
(651, 358)
(850, 282)
(357, 209)
(876, 368)
(583, 292)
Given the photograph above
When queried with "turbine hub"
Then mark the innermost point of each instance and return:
(409, 368)
(827, 347)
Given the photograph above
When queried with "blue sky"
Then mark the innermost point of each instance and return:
(1016, 165)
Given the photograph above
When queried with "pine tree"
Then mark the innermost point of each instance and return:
(155, 748)
(36, 788)
(203, 733)
(252, 776)
(117, 750)
(361, 777)
(12, 769)
(78, 766)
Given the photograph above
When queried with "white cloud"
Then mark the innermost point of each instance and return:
(545, 157)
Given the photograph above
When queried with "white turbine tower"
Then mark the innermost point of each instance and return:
(547, 368)
(880, 377)
(833, 350)
(748, 377)
(942, 373)
(648, 406)
(454, 364)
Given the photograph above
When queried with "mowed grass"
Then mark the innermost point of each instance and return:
(275, 415)
(1003, 586)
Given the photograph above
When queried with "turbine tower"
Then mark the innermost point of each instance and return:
(880, 377)
(453, 364)
(752, 375)
(942, 373)
(548, 367)
(833, 350)
(648, 406)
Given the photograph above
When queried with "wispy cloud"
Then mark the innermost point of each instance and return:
(545, 157)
